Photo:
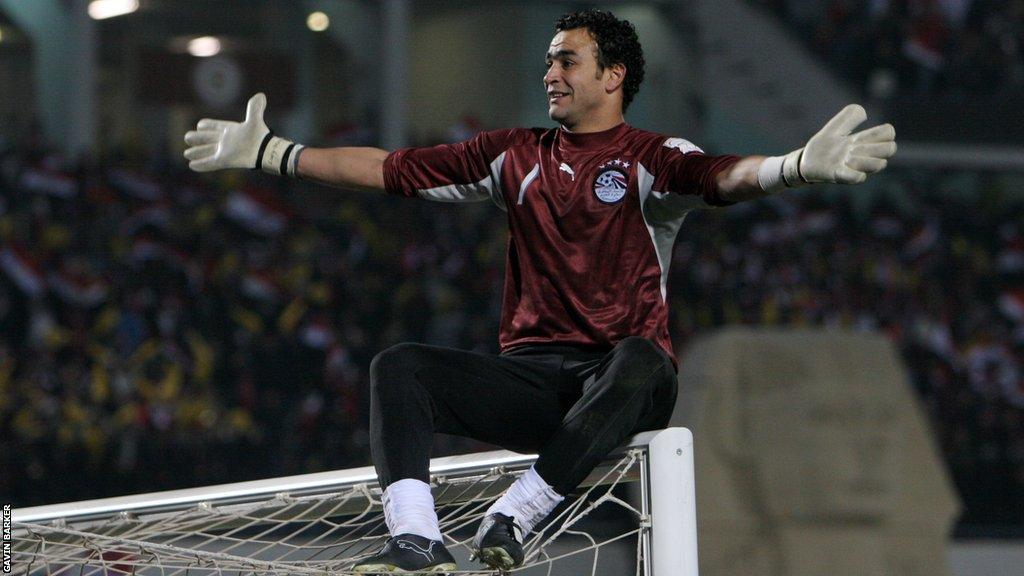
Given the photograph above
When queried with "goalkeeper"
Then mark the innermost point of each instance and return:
(593, 209)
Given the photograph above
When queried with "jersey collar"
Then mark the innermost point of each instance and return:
(575, 142)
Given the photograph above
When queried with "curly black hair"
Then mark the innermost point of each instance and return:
(617, 43)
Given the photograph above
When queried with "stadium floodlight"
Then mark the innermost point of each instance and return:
(318, 21)
(102, 9)
(204, 46)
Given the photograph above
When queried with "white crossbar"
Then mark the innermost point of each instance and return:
(318, 482)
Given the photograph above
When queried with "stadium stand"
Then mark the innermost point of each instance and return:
(915, 47)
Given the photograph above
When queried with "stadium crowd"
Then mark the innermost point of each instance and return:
(159, 330)
(916, 47)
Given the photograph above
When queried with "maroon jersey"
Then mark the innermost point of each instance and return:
(592, 220)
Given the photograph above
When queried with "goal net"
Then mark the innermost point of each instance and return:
(634, 514)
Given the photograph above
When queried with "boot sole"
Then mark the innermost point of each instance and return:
(497, 558)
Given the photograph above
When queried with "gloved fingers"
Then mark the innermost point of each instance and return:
(880, 133)
(866, 164)
(198, 137)
(256, 106)
(847, 175)
(200, 152)
(207, 164)
(874, 149)
(211, 124)
(846, 120)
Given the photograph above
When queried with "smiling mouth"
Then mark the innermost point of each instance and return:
(554, 96)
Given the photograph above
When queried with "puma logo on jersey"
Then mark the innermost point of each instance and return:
(684, 146)
(566, 168)
(425, 552)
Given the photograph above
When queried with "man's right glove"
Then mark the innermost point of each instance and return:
(219, 144)
(833, 154)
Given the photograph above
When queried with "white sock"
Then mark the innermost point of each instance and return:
(529, 500)
(409, 509)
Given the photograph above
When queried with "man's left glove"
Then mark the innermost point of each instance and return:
(833, 154)
(220, 144)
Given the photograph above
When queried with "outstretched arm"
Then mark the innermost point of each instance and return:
(739, 181)
(832, 155)
(358, 168)
(221, 144)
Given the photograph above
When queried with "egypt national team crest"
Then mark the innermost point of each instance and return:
(612, 181)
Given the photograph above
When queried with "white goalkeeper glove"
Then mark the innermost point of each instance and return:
(833, 154)
(219, 144)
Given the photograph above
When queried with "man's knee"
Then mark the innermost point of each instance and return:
(651, 375)
(643, 354)
(391, 367)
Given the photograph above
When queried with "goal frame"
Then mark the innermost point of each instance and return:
(667, 495)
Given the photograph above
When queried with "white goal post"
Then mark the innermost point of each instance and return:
(660, 462)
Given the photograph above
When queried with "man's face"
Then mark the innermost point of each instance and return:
(574, 83)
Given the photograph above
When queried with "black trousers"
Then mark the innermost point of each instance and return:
(569, 405)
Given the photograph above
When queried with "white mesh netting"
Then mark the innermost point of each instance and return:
(596, 531)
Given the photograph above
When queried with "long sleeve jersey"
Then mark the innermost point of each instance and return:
(592, 221)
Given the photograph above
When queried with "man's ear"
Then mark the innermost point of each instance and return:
(614, 76)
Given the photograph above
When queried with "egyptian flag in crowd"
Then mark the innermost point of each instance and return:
(1011, 303)
(261, 286)
(134, 184)
(146, 248)
(818, 222)
(50, 182)
(77, 288)
(316, 333)
(257, 212)
(23, 270)
(1011, 257)
(923, 241)
(152, 218)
